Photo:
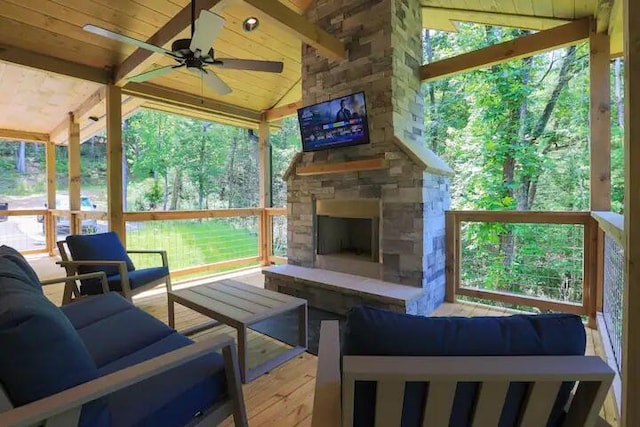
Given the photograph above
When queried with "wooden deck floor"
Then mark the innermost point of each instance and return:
(284, 396)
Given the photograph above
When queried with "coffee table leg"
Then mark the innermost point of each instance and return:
(242, 353)
(171, 312)
(302, 325)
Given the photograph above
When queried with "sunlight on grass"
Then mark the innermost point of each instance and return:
(191, 243)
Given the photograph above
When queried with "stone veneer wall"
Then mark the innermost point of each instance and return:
(385, 51)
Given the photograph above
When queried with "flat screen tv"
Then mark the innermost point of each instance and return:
(339, 122)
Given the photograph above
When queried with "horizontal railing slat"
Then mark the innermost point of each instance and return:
(175, 215)
(526, 217)
(612, 223)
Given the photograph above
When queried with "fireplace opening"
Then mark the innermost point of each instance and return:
(348, 237)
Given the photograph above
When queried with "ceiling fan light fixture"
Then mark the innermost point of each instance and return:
(250, 24)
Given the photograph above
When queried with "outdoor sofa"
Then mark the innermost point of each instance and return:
(102, 362)
(395, 369)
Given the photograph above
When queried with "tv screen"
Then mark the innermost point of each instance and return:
(340, 122)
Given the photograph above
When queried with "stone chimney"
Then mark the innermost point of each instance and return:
(384, 54)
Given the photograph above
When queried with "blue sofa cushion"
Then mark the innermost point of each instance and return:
(20, 269)
(98, 247)
(375, 332)
(41, 352)
(137, 278)
(86, 311)
(121, 334)
(170, 399)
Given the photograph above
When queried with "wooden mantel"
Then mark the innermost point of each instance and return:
(342, 167)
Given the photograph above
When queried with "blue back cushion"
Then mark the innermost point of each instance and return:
(19, 268)
(98, 247)
(41, 352)
(375, 332)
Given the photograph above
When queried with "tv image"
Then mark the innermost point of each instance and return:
(339, 122)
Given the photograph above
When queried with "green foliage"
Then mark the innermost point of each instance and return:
(517, 135)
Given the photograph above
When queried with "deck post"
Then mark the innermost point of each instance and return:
(73, 151)
(264, 153)
(631, 314)
(114, 162)
(48, 221)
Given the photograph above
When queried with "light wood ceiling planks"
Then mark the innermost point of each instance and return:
(36, 100)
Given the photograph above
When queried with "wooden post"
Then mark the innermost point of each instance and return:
(74, 172)
(631, 314)
(49, 224)
(451, 259)
(600, 116)
(114, 161)
(264, 152)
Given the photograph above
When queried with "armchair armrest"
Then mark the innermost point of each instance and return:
(326, 403)
(163, 255)
(96, 275)
(65, 406)
(72, 269)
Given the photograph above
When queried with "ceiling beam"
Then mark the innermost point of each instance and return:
(529, 45)
(603, 14)
(283, 111)
(161, 94)
(31, 59)
(20, 135)
(446, 19)
(297, 25)
(141, 58)
(87, 105)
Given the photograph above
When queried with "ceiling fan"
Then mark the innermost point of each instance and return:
(196, 53)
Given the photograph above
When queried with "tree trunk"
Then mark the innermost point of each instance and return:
(177, 188)
(231, 172)
(21, 163)
(165, 197)
(617, 79)
(433, 121)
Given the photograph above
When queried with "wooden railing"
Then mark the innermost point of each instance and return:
(611, 289)
(578, 299)
(208, 240)
(25, 230)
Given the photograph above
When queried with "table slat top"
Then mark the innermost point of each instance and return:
(237, 301)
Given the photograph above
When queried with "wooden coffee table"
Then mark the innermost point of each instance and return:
(240, 305)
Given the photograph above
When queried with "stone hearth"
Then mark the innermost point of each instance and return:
(412, 189)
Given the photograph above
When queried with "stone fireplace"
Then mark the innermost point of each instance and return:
(387, 221)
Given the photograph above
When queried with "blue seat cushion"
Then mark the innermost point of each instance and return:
(170, 399)
(137, 278)
(19, 268)
(41, 352)
(121, 334)
(92, 309)
(98, 247)
(375, 332)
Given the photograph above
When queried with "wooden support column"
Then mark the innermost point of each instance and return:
(114, 161)
(264, 153)
(600, 150)
(49, 224)
(631, 314)
(600, 120)
(73, 151)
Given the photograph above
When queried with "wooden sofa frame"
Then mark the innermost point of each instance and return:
(63, 409)
(334, 394)
(72, 267)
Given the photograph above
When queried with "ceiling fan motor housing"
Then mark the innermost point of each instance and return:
(180, 48)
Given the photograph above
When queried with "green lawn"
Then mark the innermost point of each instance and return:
(191, 243)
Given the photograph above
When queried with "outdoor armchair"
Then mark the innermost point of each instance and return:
(104, 252)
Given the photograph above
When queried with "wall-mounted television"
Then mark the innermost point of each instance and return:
(339, 122)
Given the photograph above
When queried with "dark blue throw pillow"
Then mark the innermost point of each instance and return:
(99, 247)
(20, 268)
(374, 332)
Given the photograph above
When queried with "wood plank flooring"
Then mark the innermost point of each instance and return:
(284, 396)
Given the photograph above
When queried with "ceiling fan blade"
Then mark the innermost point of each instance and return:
(143, 77)
(249, 64)
(208, 26)
(125, 39)
(212, 80)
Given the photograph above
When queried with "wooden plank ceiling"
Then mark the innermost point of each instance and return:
(54, 28)
(531, 14)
